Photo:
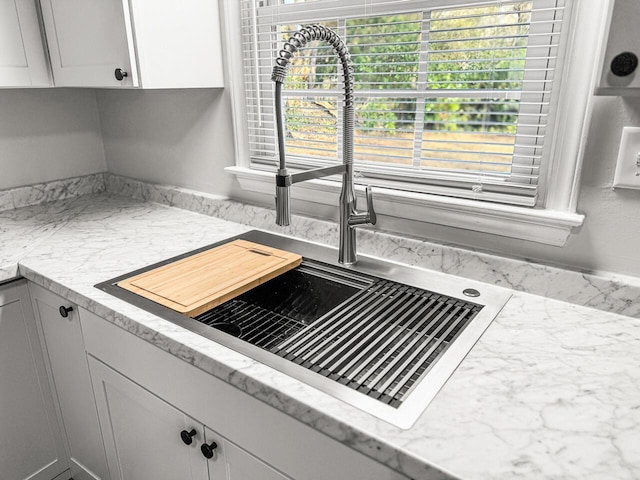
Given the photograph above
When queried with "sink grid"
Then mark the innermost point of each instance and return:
(379, 342)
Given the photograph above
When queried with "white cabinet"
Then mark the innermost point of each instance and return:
(64, 349)
(134, 43)
(23, 62)
(144, 437)
(31, 445)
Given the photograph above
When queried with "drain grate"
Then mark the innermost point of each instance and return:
(384, 341)
(380, 342)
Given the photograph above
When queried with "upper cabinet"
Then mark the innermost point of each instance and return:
(23, 62)
(134, 43)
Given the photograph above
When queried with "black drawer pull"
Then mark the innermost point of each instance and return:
(187, 437)
(208, 450)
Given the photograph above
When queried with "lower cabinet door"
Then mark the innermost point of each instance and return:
(233, 463)
(31, 444)
(147, 438)
(64, 348)
(143, 435)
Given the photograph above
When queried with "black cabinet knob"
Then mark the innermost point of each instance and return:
(207, 450)
(624, 64)
(187, 437)
(120, 74)
(64, 311)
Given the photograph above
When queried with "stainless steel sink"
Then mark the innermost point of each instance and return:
(381, 336)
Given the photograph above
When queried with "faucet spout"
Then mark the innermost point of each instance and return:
(349, 217)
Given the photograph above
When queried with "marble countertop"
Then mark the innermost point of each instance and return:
(551, 390)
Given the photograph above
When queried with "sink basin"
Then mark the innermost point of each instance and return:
(380, 336)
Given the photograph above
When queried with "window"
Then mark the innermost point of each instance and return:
(455, 99)
(451, 100)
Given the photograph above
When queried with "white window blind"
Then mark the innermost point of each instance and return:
(451, 99)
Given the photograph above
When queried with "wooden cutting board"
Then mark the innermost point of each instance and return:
(202, 281)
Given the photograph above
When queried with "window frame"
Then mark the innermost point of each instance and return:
(550, 223)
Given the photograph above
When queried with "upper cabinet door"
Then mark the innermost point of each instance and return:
(90, 42)
(178, 44)
(22, 57)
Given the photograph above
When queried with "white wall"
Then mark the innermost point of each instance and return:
(48, 134)
(609, 238)
(176, 137)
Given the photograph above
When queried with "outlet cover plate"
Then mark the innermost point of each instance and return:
(628, 165)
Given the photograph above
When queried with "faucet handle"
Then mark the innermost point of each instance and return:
(364, 218)
(370, 211)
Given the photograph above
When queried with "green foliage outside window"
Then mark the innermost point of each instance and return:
(471, 49)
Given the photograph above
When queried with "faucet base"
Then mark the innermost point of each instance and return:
(347, 252)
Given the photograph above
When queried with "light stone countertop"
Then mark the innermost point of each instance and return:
(551, 390)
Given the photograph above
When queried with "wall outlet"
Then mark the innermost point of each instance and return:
(628, 166)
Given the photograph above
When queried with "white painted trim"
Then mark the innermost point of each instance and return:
(234, 76)
(587, 30)
(551, 227)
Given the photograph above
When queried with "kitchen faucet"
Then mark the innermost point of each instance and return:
(349, 216)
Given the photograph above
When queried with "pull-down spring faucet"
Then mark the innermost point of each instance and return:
(349, 217)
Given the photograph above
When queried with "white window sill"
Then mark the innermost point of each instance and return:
(550, 227)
